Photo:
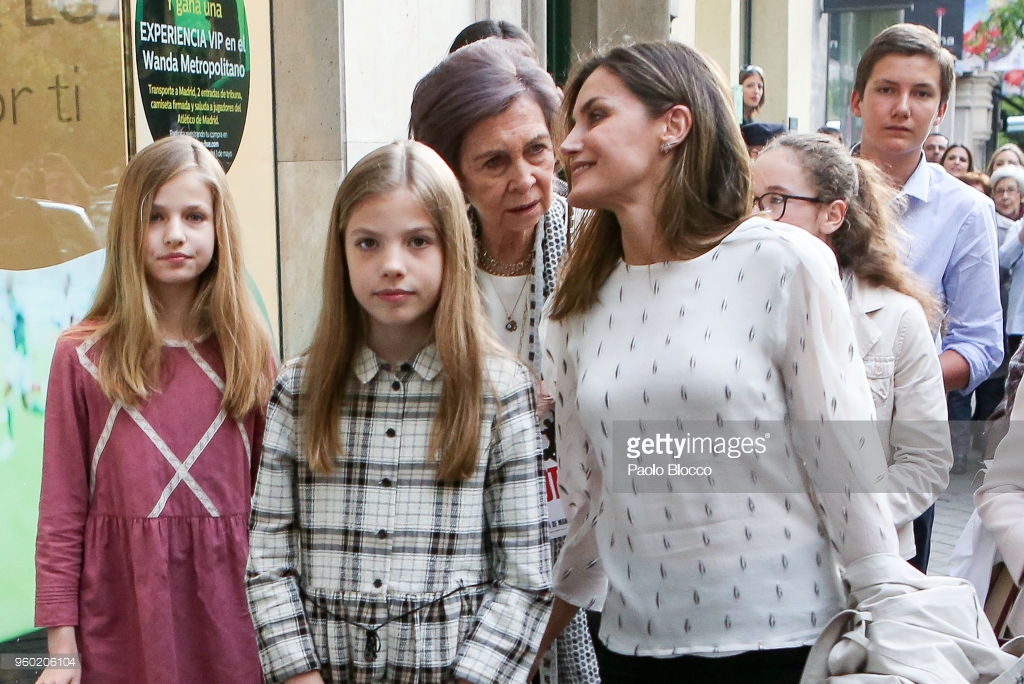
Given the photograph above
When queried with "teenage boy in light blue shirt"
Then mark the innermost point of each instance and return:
(901, 92)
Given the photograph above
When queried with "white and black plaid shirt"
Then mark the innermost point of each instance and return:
(378, 540)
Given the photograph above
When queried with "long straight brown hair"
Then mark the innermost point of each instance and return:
(706, 190)
(125, 312)
(460, 329)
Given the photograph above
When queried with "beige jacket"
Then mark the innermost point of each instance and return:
(903, 371)
(1000, 502)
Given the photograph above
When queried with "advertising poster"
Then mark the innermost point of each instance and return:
(946, 17)
(63, 124)
(192, 62)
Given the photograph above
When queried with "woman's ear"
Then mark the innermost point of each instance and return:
(678, 122)
(832, 217)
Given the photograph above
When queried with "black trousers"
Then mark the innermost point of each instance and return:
(775, 666)
(923, 539)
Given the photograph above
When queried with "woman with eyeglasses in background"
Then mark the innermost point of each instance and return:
(752, 80)
(844, 202)
(1007, 192)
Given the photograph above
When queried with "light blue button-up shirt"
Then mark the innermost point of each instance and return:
(951, 245)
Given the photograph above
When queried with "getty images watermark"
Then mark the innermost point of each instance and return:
(676, 457)
(668, 444)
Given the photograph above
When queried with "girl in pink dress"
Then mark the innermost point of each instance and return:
(154, 421)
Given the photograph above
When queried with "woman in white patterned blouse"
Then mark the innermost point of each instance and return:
(677, 321)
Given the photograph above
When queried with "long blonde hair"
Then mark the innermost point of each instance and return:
(125, 313)
(460, 329)
(706, 190)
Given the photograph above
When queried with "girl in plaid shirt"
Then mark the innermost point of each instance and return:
(398, 527)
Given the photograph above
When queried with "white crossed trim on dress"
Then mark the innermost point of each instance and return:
(181, 468)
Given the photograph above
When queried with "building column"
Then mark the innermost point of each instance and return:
(790, 42)
(532, 15)
(716, 31)
(309, 142)
(600, 23)
(973, 123)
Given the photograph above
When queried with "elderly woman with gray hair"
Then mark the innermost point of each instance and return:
(487, 109)
(1007, 191)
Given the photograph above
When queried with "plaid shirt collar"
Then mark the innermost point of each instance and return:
(426, 363)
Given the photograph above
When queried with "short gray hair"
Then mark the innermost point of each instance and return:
(472, 84)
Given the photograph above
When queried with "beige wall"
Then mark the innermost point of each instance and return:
(785, 39)
(309, 132)
(388, 46)
(788, 40)
(968, 118)
(599, 23)
(716, 27)
(683, 28)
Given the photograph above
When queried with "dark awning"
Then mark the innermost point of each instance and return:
(853, 5)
